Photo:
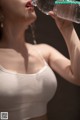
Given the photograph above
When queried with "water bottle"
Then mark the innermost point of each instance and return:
(44, 5)
(65, 9)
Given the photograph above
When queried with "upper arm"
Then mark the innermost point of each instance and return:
(59, 63)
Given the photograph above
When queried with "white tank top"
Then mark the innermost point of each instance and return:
(25, 96)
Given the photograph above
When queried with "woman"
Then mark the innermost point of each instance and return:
(27, 81)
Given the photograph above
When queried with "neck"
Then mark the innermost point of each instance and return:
(14, 34)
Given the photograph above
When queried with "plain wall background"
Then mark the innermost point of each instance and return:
(65, 105)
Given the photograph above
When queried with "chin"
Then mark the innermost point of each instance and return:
(34, 17)
(31, 18)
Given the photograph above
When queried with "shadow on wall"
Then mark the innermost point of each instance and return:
(66, 103)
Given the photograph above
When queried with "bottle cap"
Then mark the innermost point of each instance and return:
(66, 2)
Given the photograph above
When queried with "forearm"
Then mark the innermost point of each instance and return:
(73, 45)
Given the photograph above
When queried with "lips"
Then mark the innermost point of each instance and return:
(28, 5)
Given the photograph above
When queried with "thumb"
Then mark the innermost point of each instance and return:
(52, 14)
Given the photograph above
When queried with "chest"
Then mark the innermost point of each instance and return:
(30, 87)
(30, 63)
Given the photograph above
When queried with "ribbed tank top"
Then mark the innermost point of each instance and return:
(25, 96)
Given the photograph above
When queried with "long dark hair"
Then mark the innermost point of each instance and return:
(0, 32)
(1, 29)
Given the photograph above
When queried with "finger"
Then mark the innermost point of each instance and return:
(52, 14)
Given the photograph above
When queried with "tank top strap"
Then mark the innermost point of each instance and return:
(39, 53)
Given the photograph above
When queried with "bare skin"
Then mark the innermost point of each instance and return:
(21, 62)
(16, 62)
(23, 58)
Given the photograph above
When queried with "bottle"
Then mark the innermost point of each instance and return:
(69, 10)
(44, 5)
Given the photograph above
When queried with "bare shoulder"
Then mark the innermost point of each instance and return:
(44, 50)
(43, 45)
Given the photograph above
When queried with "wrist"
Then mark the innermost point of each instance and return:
(66, 29)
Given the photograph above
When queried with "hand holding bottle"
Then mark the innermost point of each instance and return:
(61, 23)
